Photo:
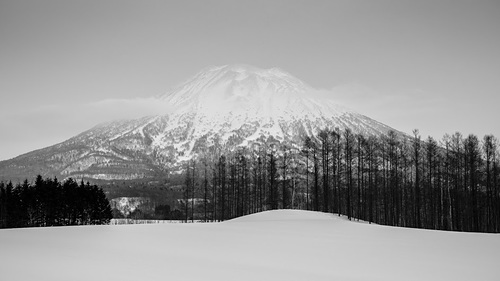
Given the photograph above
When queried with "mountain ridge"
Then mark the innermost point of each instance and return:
(226, 107)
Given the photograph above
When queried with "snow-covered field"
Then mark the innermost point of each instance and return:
(274, 245)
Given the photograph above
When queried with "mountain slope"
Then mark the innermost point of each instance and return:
(218, 108)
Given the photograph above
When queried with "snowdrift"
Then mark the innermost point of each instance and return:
(273, 245)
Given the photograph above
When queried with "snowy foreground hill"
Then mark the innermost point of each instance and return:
(273, 245)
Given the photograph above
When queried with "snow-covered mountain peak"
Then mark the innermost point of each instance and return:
(270, 73)
(219, 108)
(236, 88)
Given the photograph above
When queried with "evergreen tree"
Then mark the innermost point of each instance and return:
(49, 202)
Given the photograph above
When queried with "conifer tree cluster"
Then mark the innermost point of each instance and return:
(391, 179)
(49, 202)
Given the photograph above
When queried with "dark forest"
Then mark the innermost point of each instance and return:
(49, 202)
(391, 179)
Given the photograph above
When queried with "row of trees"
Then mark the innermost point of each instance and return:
(49, 202)
(160, 212)
(390, 179)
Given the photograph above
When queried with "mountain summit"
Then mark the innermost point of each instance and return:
(220, 108)
(242, 89)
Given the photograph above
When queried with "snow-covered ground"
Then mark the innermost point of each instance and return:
(274, 245)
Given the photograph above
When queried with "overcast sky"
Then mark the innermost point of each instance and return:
(67, 65)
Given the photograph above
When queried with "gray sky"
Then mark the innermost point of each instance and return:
(67, 65)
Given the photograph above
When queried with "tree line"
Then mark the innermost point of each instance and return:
(49, 202)
(391, 179)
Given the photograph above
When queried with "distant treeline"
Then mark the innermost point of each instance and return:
(391, 179)
(49, 202)
(159, 212)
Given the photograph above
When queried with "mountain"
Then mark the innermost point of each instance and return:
(219, 108)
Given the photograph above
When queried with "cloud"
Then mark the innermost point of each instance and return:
(402, 109)
(403, 101)
(26, 129)
(114, 109)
